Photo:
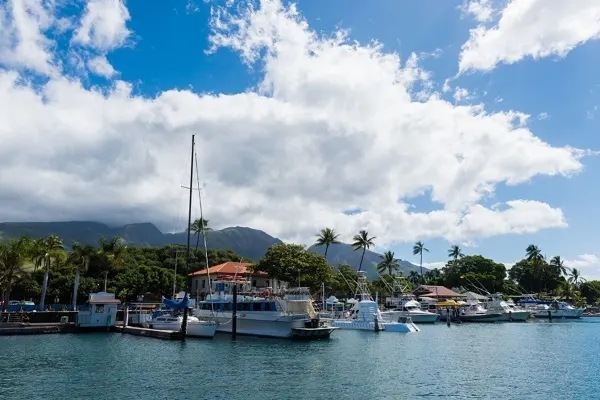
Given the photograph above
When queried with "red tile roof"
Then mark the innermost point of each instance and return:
(436, 291)
(228, 268)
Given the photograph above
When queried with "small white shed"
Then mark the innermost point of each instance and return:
(102, 311)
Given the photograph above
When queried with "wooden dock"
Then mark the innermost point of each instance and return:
(155, 333)
(35, 329)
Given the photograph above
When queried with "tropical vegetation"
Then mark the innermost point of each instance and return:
(44, 271)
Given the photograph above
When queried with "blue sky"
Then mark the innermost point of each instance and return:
(156, 47)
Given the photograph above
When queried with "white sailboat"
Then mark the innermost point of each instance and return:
(178, 318)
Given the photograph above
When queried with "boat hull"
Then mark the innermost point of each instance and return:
(203, 329)
(418, 318)
(370, 326)
(481, 318)
(515, 316)
(312, 333)
(275, 326)
(557, 314)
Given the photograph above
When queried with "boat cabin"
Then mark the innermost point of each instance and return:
(101, 311)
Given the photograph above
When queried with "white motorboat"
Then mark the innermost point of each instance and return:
(475, 312)
(260, 314)
(365, 314)
(410, 309)
(509, 310)
(555, 309)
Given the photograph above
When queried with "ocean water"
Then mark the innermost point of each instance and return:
(535, 360)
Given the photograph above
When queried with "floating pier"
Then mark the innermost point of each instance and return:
(35, 329)
(154, 333)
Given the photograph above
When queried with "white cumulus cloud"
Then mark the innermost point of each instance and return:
(103, 25)
(529, 28)
(100, 66)
(587, 264)
(334, 125)
(23, 43)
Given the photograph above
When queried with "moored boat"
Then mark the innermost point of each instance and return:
(259, 313)
(476, 313)
(555, 309)
(509, 310)
(365, 314)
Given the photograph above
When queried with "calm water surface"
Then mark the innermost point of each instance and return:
(557, 360)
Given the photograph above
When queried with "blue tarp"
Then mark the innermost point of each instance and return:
(533, 301)
(177, 305)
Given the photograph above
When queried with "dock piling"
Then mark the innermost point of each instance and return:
(234, 313)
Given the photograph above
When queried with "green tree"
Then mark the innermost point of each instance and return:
(343, 281)
(414, 278)
(13, 256)
(475, 270)
(388, 264)
(575, 277)
(590, 290)
(292, 263)
(418, 249)
(455, 253)
(326, 238)
(558, 264)
(434, 277)
(363, 242)
(199, 227)
(80, 256)
(54, 250)
(113, 251)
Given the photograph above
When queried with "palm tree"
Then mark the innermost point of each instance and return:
(13, 254)
(566, 289)
(198, 227)
(326, 238)
(53, 248)
(388, 264)
(535, 257)
(414, 277)
(80, 256)
(559, 265)
(38, 253)
(575, 277)
(419, 248)
(362, 241)
(455, 253)
(113, 250)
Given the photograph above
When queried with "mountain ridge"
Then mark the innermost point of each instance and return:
(245, 241)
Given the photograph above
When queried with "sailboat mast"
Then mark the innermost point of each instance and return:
(175, 273)
(187, 250)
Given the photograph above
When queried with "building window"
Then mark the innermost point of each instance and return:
(254, 283)
(203, 283)
(99, 308)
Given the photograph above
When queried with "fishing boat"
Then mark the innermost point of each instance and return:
(555, 309)
(474, 312)
(365, 314)
(260, 313)
(509, 310)
(400, 306)
(411, 309)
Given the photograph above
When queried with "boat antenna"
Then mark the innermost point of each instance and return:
(187, 250)
(203, 228)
